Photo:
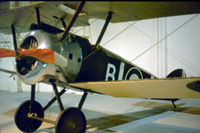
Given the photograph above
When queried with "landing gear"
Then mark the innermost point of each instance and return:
(174, 100)
(30, 114)
(22, 120)
(71, 120)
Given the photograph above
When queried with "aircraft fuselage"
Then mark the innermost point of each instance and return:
(103, 65)
(80, 62)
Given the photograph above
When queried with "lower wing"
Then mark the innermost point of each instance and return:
(7, 71)
(148, 88)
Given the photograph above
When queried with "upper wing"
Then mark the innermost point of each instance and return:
(130, 11)
(22, 17)
(149, 88)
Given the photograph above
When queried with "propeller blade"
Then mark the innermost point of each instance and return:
(7, 52)
(45, 55)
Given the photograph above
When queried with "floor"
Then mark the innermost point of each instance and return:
(107, 114)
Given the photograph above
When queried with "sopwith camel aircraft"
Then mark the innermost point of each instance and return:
(59, 58)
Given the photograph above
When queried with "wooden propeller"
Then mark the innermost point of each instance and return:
(45, 55)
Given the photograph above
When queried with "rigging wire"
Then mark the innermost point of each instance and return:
(22, 28)
(109, 40)
(25, 23)
(172, 53)
(184, 61)
(100, 16)
(134, 22)
(128, 25)
(131, 25)
(164, 37)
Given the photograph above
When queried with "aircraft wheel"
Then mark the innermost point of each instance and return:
(22, 121)
(71, 120)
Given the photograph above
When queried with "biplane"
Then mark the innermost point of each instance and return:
(57, 57)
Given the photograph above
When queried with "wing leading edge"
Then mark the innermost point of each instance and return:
(149, 88)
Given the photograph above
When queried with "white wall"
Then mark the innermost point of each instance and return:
(176, 35)
(7, 82)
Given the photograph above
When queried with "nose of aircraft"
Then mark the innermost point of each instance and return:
(29, 55)
(35, 59)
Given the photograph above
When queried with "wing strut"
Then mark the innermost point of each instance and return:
(14, 37)
(61, 19)
(37, 16)
(72, 20)
(103, 29)
(32, 97)
(63, 22)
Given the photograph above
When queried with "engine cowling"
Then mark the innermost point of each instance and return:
(31, 70)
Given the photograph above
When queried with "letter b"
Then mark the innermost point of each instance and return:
(110, 72)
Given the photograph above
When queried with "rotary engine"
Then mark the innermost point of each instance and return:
(67, 67)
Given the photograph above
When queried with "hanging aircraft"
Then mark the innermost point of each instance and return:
(53, 56)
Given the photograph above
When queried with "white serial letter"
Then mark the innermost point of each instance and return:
(111, 70)
(121, 71)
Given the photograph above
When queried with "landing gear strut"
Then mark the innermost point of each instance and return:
(30, 114)
(71, 120)
(30, 108)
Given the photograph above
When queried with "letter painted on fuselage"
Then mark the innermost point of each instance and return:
(124, 71)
